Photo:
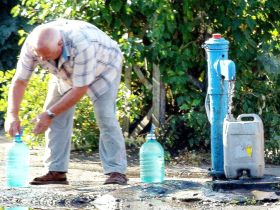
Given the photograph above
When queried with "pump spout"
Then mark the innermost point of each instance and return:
(228, 71)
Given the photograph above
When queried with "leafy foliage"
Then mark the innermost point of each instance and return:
(85, 132)
(129, 104)
(9, 27)
(170, 33)
(259, 95)
(32, 103)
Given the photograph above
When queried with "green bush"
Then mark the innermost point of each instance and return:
(32, 103)
(129, 104)
(9, 27)
(257, 92)
(85, 132)
(170, 34)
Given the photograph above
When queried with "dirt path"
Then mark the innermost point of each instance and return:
(184, 188)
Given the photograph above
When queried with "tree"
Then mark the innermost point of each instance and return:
(9, 38)
(169, 33)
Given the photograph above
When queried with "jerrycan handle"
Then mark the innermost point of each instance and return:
(254, 116)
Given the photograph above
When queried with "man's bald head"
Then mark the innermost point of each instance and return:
(47, 42)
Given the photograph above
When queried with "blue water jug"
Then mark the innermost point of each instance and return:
(17, 163)
(151, 160)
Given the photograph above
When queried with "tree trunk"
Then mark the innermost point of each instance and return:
(158, 114)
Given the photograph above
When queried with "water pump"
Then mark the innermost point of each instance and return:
(221, 80)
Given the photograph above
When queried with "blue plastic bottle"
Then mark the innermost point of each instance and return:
(17, 163)
(151, 160)
(16, 208)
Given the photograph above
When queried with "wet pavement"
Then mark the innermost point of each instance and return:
(185, 187)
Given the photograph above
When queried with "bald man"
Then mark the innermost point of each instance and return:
(82, 60)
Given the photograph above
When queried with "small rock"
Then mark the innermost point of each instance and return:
(265, 196)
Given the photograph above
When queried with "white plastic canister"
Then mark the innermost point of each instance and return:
(243, 146)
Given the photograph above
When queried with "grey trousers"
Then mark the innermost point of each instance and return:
(112, 150)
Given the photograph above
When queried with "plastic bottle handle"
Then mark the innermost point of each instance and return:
(254, 116)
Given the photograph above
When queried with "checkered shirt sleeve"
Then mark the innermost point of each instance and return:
(26, 63)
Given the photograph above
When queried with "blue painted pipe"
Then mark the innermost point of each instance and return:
(220, 72)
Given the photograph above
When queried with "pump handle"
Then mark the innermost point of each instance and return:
(254, 116)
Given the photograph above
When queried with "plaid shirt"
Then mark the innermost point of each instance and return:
(89, 57)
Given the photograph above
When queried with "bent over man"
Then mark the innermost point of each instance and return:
(82, 60)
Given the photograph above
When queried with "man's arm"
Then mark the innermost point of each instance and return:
(16, 92)
(72, 97)
(69, 100)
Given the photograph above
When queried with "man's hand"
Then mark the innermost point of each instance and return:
(16, 91)
(42, 122)
(12, 125)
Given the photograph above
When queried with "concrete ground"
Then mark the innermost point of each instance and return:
(185, 187)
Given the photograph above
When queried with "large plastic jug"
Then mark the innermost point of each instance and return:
(151, 160)
(17, 163)
(243, 142)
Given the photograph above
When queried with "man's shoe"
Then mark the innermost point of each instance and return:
(52, 177)
(116, 178)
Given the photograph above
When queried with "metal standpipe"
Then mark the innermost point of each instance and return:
(220, 72)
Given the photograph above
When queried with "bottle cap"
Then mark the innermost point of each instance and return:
(17, 137)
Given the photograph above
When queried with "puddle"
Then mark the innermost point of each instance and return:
(104, 202)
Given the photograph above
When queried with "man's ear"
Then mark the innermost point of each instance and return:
(60, 42)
